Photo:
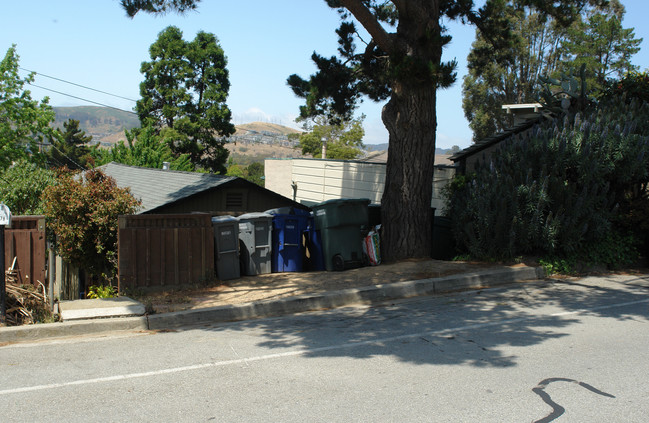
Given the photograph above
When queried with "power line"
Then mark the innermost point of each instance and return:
(82, 99)
(79, 85)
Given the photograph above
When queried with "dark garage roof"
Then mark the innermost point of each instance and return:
(157, 187)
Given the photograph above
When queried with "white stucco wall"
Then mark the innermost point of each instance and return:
(319, 180)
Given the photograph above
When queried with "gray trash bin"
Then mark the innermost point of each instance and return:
(255, 236)
(226, 247)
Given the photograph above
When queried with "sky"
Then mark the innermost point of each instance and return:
(94, 44)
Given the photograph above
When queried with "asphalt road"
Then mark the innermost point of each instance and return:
(553, 351)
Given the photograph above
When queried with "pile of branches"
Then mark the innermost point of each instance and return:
(25, 304)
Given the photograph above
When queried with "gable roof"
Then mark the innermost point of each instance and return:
(157, 187)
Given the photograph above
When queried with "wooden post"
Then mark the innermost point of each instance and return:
(5, 219)
(3, 287)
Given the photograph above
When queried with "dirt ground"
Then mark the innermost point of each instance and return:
(279, 285)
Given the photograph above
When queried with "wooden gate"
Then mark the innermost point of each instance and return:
(165, 251)
(25, 248)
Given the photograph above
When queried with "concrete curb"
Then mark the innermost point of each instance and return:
(375, 294)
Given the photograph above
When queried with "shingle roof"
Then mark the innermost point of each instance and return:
(494, 139)
(157, 187)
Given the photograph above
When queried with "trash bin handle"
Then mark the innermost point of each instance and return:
(226, 252)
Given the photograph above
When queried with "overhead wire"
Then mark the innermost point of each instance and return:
(82, 99)
(78, 85)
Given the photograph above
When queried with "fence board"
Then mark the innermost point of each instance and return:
(25, 241)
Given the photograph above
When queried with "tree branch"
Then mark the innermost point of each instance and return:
(366, 18)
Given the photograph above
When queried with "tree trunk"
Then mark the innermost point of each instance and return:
(410, 117)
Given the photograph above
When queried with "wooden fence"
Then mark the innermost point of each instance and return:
(165, 251)
(25, 248)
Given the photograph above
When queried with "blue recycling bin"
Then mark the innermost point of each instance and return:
(288, 248)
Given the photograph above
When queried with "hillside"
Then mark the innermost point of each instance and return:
(252, 141)
(104, 124)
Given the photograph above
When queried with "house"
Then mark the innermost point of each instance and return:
(525, 117)
(311, 181)
(174, 192)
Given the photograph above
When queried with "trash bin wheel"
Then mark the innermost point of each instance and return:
(338, 263)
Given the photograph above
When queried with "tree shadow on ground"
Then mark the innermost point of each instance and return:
(480, 328)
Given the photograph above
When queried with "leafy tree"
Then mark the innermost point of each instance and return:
(183, 95)
(69, 147)
(24, 123)
(510, 76)
(344, 140)
(603, 45)
(542, 47)
(21, 186)
(402, 62)
(254, 172)
(82, 210)
(143, 148)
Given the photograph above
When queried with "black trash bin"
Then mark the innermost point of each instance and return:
(226, 247)
(255, 236)
(341, 223)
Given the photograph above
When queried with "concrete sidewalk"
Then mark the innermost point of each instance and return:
(368, 295)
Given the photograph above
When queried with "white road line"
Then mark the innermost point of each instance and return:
(300, 352)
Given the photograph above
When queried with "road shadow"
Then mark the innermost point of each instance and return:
(480, 328)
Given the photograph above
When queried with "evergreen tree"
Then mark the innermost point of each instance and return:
(183, 95)
(69, 148)
(542, 47)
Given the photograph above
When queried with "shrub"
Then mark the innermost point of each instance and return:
(558, 190)
(82, 209)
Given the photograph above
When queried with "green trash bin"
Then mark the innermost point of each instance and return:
(341, 224)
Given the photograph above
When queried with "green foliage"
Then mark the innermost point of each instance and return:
(510, 75)
(254, 172)
(632, 85)
(102, 291)
(559, 189)
(21, 186)
(542, 46)
(69, 147)
(183, 95)
(602, 45)
(344, 140)
(145, 148)
(82, 210)
(24, 123)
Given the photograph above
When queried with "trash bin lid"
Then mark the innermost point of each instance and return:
(223, 219)
(288, 211)
(337, 201)
(255, 216)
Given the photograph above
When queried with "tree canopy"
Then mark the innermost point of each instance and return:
(344, 140)
(24, 122)
(69, 147)
(144, 148)
(542, 46)
(82, 209)
(184, 96)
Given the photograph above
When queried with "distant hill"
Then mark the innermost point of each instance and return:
(252, 141)
(102, 123)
